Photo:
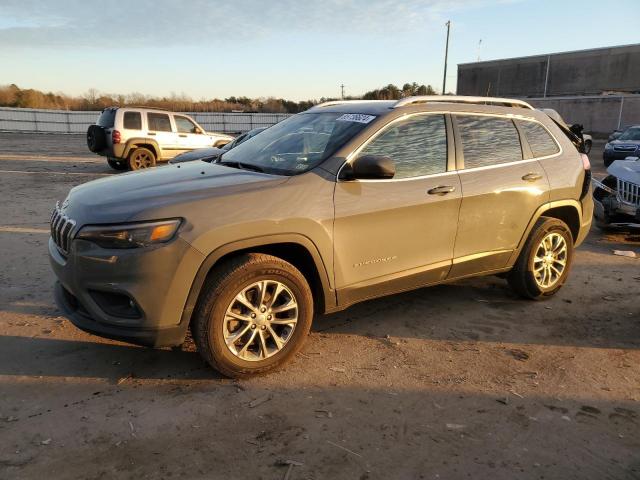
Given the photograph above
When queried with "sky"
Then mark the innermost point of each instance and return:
(294, 49)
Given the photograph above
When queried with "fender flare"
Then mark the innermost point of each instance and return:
(255, 242)
(540, 213)
(133, 142)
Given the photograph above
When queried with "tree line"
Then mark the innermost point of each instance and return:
(93, 100)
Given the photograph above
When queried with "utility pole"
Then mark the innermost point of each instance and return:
(342, 91)
(446, 57)
(479, 45)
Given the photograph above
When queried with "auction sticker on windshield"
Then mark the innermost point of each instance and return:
(355, 117)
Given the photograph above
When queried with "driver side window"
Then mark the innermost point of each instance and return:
(417, 145)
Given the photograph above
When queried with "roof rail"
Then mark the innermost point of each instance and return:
(505, 102)
(340, 102)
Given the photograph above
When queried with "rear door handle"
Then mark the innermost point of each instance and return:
(151, 133)
(441, 190)
(531, 177)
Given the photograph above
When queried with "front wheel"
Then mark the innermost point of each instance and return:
(254, 315)
(545, 260)
(117, 164)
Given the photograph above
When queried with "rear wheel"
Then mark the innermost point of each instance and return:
(141, 158)
(254, 315)
(545, 260)
(587, 146)
(117, 164)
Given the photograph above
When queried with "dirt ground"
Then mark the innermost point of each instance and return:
(457, 381)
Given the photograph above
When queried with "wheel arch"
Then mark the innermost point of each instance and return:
(296, 249)
(134, 143)
(569, 211)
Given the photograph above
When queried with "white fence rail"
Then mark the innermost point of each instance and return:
(66, 121)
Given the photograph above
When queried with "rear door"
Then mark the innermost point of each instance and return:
(502, 188)
(395, 234)
(161, 130)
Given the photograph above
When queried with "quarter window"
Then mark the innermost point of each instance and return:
(540, 141)
(417, 145)
(488, 140)
(132, 120)
(184, 125)
(159, 122)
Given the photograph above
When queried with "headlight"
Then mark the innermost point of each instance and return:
(608, 146)
(132, 235)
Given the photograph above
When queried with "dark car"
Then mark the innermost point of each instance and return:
(626, 145)
(212, 153)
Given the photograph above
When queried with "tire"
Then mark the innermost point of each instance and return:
(140, 158)
(587, 147)
(96, 138)
(523, 278)
(212, 328)
(117, 164)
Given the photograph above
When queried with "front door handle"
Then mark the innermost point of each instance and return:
(531, 177)
(441, 190)
(182, 136)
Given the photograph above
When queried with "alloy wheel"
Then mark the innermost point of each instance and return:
(260, 320)
(550, 260)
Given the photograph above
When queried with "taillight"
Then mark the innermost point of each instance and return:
(586, 182)
(585, 160)
(115, 136)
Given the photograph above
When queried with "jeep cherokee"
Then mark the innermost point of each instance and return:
(135, 138)
(342, 203)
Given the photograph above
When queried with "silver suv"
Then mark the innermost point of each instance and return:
(136, 138)
(345, 202)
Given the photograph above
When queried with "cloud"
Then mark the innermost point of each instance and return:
(160, 23)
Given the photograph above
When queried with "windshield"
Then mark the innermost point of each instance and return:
(630, 134)
(296, 144)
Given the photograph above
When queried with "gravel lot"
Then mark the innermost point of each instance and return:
(456, 381)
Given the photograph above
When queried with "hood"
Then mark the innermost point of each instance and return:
(142, 195)
(618, 143)
(196, 154)
(627, 170)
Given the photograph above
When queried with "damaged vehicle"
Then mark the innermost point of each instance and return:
(627, 144)
(617, 197)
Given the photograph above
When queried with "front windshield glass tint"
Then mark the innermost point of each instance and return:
(298, 143)
(630, 134)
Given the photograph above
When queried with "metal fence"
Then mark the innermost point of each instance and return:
(65, 121)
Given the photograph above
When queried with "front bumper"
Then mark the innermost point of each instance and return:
(610, 156)
(157, 280)
(609, 209)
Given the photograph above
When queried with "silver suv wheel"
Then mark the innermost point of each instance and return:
(550, 260)
(260, 320)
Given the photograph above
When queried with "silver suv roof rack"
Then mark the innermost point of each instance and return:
(504, 102)
(340, 102)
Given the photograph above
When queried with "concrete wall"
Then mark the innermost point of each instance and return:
(600, 115)
(586, 72)
(64, 121)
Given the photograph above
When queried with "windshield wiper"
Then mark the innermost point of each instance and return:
(243, 166)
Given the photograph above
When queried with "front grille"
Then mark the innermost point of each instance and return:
(625, 148)
(629, 192)
(62, 229)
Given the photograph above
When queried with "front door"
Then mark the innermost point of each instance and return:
(188, 138)
(391, 235)
(501, 192)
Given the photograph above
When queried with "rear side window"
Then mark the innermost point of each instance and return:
(540, 141)
(159, 122)
(107, 118)
(132, 120)
(488, 140)
(417, 145)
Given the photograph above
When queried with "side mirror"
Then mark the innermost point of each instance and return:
(198, 130)
(369, 167)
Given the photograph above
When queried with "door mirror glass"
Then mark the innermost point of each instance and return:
(369, 167)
